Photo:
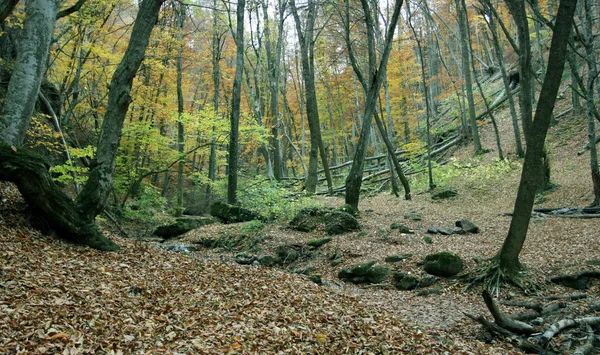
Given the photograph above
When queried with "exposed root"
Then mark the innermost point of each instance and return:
(492, 277)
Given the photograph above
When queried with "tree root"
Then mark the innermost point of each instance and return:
(492, 277)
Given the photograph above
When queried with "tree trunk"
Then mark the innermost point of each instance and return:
(180, 14)
(372, 85)
(235, 107)
(592, 75)
(216, 76)
(306, 39)
(508, 256)
(28, 71)
(463, 25)
(95, 192)
(500, 57)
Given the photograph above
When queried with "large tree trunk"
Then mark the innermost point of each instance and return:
(28, 72)
(180, 15)
(235, 107)
(93, 197)
(508, 256)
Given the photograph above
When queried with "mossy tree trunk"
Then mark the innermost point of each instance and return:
(72, 220)
(508, 256)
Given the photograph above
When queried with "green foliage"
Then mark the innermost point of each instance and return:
(148, 207)
(69, 171)
(270, 200)
(472, 174)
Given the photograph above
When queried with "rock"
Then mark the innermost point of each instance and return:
(444, 194)
(406, 283)
(396, 258)
(182, 225)
(428, 240)
(413, 216)
(432, 230)
(316, 279)
(361, 269)
(378, 273)
(340, 223)
(467, 226)
(244, 258)
(365, 273)
(427, 281)
(593, 262)
(458, 230)
(444, 231)
(430, 291)
(266, 260)
(287, 254)
(232, 214)
(316, 243)
(443, 264)
(336, 262)
(336, 222)
(197, 210)
(401, 228)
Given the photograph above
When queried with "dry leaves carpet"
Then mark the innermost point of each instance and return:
(60, 298)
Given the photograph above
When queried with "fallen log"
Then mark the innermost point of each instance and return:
(563, 324)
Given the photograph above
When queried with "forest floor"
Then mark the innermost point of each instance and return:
(61, 298)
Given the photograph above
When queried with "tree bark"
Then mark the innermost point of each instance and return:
(372, 85)
(233, 158)
(306, 40)
(508, 256)
(180, 14)
(28, 72)
(93, 197)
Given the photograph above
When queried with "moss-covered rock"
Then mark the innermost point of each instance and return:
(287, 254)
(396, 258)
(181, 226)
(445, 194)
(334, 221)
(406, 283)
(401, 228)
(232, 214)
(366, 272)
(316, 243)
(444, 264)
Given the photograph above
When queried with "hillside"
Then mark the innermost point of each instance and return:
(61, 298)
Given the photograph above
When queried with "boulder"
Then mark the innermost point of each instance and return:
(182, 225)
(406, 282)
(366, 272)
(427, 281)
(467, 226)
(287, 254)
(444, 231)
(444, 264)
(232, 214)
(244, 258)
(335, 222)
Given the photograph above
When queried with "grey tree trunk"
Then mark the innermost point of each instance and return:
(500, 57)
(592, 75)
(28, 71)
(463, 25)
(216, 47)
(508, 256)
(233, 158)
(373, 84)
(306, 40)
(180, 14)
